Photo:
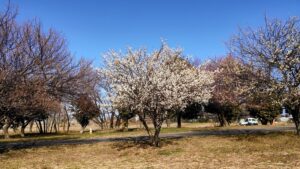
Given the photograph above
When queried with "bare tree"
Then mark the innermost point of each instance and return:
(37, 73)
(275, 49)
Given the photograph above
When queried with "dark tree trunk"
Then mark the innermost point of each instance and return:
(295, 114)
(142, 119)
(156, 140)
(112, 119)
(271, 121)
(179, 119)
(222, 120)
(118, 122)
(40, 126)
(264, 121)
(126, 123)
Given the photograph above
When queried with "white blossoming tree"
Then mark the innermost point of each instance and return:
(155, 84)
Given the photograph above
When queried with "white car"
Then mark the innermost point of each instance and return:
(248, 121)
(243, 122)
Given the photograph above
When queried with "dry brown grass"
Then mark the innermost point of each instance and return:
(245, 151)
(134, 130)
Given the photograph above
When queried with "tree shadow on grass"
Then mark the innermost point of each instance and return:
(33, 135)
(143, 143)
(6, 146)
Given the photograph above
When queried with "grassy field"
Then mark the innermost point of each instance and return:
(133, 131)
(277, 150)
(255, 151)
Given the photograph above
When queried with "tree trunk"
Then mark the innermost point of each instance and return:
(295, 114)
(156, 140)
(222, 120)
(67, 120)
(5, 129)
(264, 121)
(45, 122)
(82, 130)
(297, 127)
(168, 121)
(68, 126)
(40, 126)
(22, 131)
(68, 123)
(179, 119)
(58, 123)
(112, 120)
(126, 123)
(145, 125)
(118, 122)
(30, 126)
(99, 122)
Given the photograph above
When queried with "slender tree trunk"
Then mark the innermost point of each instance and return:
(30, 126)
(52, 124)
(156, 139)
(22, 131)
(68, 122)
(99, 122)
(125, 124)
(112, 119)
(168, 122)
(5, 129)
(142, 119)
(40, 126)
(118, 122)
(179, 119)
(58, 122)
(45, 125)
(68, 126)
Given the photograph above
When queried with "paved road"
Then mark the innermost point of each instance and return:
(231, 131)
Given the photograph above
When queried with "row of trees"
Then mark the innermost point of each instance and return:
(39, 80)
(260, 77)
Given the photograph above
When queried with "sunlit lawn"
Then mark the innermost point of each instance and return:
(281, 150)
(132, 131)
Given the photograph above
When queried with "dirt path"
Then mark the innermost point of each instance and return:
(229, 131)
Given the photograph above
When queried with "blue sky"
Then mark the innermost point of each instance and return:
(200, 27)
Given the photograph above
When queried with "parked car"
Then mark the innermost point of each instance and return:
(243, 122)
(252, 121)
(248, 121)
